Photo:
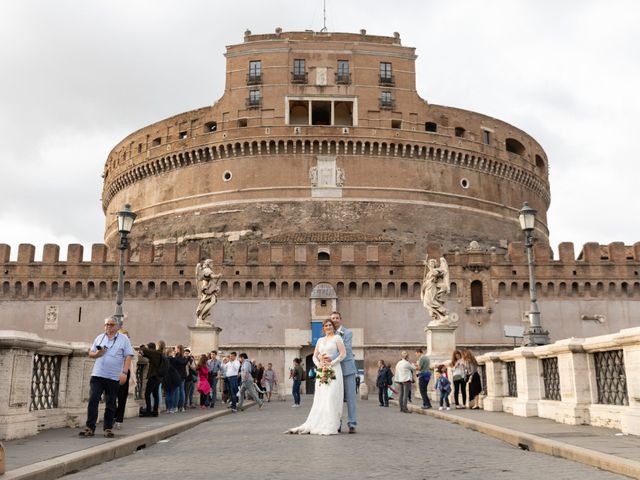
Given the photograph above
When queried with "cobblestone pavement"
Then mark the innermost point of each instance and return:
(251, 445)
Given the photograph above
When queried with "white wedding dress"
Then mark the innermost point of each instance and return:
(324, 417)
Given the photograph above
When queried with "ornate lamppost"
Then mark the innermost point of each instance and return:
(125, 224)
(534, 334)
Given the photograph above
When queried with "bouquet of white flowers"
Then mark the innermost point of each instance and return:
(325, 375)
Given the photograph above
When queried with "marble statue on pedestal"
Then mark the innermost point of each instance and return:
(435, 288)
(207, 283)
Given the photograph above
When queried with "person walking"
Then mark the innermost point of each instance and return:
(383, 382)
(153, 379)
(458, 376)
(232, 371)
(423, 366)
(404, 374)
(112, 353)
(269, 381)
(297, 375)
(249, 388)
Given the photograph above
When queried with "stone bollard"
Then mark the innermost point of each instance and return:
(2, 460)
(364, 391)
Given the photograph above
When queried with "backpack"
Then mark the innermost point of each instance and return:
(163, 368)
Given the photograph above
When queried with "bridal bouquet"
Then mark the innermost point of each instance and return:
(325, 375)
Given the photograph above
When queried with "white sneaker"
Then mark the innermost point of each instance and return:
(448, 408)
(440, 408)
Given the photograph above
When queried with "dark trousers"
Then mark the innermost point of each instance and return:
(121, 399)
(233, 391)
(422, 385)
(383, 396)
(444, 398)
(405, 388)
(98, 386)
(460, 386)
(295, 392)
(152, 390)
(213, 382)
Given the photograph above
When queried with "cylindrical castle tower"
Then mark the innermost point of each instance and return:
(322, 131)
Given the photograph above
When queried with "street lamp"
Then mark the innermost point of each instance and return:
(125, 224)
(534, 334)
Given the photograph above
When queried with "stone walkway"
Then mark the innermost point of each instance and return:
(251, 445)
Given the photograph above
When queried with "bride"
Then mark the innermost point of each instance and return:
(324, 417)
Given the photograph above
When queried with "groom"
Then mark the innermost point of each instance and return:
(348, 370)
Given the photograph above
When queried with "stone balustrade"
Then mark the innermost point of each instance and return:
(578, 381)
(45, 384)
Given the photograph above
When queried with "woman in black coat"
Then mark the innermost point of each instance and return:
(383, 382)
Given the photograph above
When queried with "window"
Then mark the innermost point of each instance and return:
(385, 100)
(343, 76)
(255, 72)
(299, 72)
(211, 126)
(476, 294)
(386, 73)
(242, 122)
(514, 146)
(156, 141)
(324, 256)
(254, 99)
(430, 127)
(396, 124)
(460, 132)
(486, 137)
(182, 135)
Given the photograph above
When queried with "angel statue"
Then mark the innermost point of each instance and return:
(207, 282)
(435, 288)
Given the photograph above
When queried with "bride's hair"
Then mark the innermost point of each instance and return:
(328, 320)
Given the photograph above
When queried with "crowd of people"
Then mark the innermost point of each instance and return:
(463, 369)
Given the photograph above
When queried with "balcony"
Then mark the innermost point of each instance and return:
(386, 104)
(299, 77)
(343, 78)
(254, 78)
(253, 102)
(387, 80)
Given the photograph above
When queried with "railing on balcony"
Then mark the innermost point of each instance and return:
(253, 102)
(299, 77)
(254, 78)
(387, 104)
(387, 80)
(611, 377)
(45, 381)
(551, 378)
(343, 78)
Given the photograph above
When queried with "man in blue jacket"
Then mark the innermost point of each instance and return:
(348, 370)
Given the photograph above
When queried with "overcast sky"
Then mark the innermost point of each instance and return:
(77, 76)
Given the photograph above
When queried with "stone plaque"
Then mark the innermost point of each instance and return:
(321, 76)
(51, 317)
(20, 394)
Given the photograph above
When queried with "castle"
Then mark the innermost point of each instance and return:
(319, 181)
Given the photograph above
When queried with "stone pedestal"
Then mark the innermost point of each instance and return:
(441, 341)
(204, 339)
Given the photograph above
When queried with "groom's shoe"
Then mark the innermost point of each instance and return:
(352, 429)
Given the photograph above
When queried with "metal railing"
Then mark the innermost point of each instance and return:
(386, 104)
(253, 102)
(551, 378)
(512, 379)
(45, 382)
(299, 77)
(254, 78)
(343, 78)
(388, 80)
(611, 377)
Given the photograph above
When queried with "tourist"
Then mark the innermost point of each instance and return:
(213, 366)
(443, 387)
(404, 374)
(472, 378)
(225, 382)
(424, 375)
(154, 358)
(123, 393)
(171, 382)
(204, 387)
(269, 380)
(161, 346)
(191, 382)
(257, 376)
(383, 382)
(458, 376)
(112, 353)
(297, 375)
(247, 381)
(180, 362)
(232, 372)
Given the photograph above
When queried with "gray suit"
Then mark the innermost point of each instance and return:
(349, 372)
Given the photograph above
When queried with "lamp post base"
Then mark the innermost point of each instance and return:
(535, 336)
